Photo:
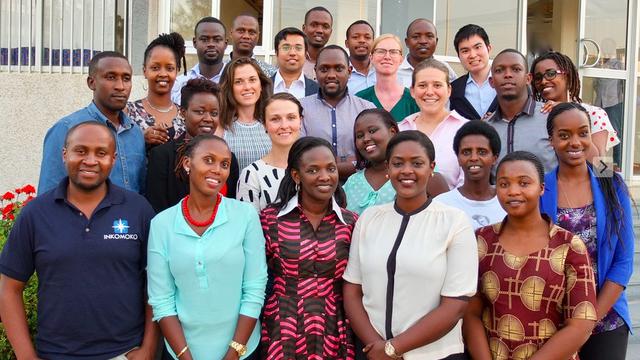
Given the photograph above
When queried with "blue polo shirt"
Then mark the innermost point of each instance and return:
(129, 168)
(91, 272)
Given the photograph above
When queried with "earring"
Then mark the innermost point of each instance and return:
(297, 187)
(187, 170)
(144, 86)
(386, 176)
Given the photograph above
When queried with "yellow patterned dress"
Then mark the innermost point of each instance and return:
(527, 298)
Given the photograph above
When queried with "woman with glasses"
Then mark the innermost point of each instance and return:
(556, 80)
(388, 93)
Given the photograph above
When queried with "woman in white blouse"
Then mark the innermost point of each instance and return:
(259, 182)
(408, 278)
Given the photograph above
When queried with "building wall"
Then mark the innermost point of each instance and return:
(30, 104)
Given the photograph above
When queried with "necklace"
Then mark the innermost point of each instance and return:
(164, 111)
(190, 220)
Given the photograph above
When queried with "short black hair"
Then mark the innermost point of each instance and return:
(524, 156)
(514, 51)
(477, 127)
(360, 22)
(418, 20)
(317, 8)
(197, 86)
(468, 31)
(209, 19)
(89, 123)
(245, 14)
(333, 47)
(412, 135)
(282, 35)
(93, 63)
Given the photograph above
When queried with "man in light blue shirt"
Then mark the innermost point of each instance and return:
(471, 95)
(210, 41)
(110, 80)
(359, 41)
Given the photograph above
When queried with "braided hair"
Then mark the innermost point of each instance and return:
(569, 70)
(608, 185)
(175, 43)
(188, 148)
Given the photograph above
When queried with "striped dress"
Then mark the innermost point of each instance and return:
(303, 316)
(249, 142)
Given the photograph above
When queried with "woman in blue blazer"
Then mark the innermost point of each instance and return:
(598, 210)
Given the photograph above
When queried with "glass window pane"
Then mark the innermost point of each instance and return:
(606, 24)
(552, 24)
(498, 17)
(229, 9)
(186, 13)
(291, 13)
(609, 95)
(396, 15)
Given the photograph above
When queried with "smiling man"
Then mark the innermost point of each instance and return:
(331, 113)
(244, 37)
(421, 40)
(87, 241)
(210, 41)
(291, 46)
(110, 80)
(518, 119)
(318, 26)
(359, 41)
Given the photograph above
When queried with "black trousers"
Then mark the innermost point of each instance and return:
(609, 345)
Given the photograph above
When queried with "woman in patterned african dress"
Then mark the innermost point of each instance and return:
(308, 234)
(536, 295)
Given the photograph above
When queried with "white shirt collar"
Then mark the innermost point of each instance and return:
(405, 63)
(196, 69)
(293, 203)
(279, 79)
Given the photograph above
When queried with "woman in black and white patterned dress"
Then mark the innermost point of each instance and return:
(259, 182)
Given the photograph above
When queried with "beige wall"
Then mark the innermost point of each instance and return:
(30, 104)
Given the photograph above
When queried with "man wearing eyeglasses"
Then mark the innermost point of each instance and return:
(518, 119)
(291, 45)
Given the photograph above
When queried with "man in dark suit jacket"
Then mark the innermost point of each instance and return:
(291, 46)
(471, 95)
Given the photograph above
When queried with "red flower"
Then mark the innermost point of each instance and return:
(11, 217)
(18, 191)
(8, 196)
(28, 189)
(7, 210)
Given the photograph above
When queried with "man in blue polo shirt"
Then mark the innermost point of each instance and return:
(110, 80)
(87, 241)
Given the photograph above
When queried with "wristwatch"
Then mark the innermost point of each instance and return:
(390, 351)
(239, 348)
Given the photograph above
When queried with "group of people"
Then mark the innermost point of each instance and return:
(339, 205)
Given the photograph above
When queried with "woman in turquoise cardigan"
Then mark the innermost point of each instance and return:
(598, 210)
(207, 268)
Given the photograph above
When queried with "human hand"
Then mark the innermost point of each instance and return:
(231, 355)
(155, 135)
(141, 353)
(548, 106)
(375, 351)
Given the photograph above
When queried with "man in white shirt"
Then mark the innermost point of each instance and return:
(318, 26)
(291, 45)
(245, 32)
(421, 40)
(210, 41)
(359, 41)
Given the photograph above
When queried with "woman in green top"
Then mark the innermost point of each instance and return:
(388, 93)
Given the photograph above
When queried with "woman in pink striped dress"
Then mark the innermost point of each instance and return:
(308, 233)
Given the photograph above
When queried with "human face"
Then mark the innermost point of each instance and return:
(431, 90)
(474, 54)
(317, 176)
(209, 167)
(88, 157)
(246, 85)
(282, 122)
(382, 59)
(318, 28)
(291, 61)
(210, 42)
(476, 158)
(571, 137)
(554, 89)
(111, 84)
(409, 170)
(160, 70)
(332, 72)
(244, 35)
(519, 188)
(509, 76)
(422, 40)
(202, 115)
(360, 41)
(372, 137)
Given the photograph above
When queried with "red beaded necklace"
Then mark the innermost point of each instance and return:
(190, 220)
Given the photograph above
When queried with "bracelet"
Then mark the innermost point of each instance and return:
(184, 350)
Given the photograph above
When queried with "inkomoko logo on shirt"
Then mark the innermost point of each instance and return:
(121, 231)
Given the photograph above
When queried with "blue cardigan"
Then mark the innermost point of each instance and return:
(615, 257)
